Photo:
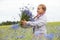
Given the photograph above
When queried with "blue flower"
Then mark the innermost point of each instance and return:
(26, 14)
(16, 26)
(49, 36)
(29, 13)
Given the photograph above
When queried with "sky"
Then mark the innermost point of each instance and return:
(9, 9)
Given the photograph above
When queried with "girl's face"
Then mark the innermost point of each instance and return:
(40, 10)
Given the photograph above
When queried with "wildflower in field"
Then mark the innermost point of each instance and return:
(16, 26)
(49, 36)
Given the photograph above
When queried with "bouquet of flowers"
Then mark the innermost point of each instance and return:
(26, 14)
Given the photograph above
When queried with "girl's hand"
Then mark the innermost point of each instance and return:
(23, 22)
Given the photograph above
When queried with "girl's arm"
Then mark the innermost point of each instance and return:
(36, 23)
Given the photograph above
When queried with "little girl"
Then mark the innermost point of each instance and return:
(39, 23)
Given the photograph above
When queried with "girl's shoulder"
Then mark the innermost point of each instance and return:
(43, 17)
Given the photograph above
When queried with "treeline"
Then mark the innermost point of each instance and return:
(9, 22)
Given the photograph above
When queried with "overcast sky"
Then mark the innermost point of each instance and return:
(9, 9)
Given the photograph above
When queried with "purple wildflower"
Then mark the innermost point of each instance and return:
(29, 13)
(16, 26)
(26, 7)
(49, 36)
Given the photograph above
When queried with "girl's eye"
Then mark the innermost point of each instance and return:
(38, 8)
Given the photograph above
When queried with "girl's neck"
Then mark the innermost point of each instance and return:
(39, 14)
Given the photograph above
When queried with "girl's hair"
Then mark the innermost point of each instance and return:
(43, 7)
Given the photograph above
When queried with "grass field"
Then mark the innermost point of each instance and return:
(8, 33)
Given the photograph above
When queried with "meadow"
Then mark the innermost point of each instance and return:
(9, 33)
